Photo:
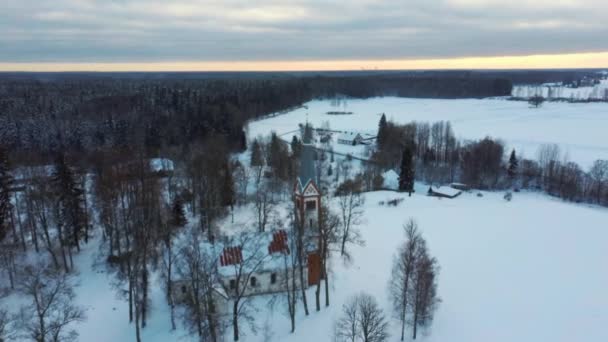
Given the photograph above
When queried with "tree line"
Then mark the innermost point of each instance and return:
(431, 152)
(88, 115)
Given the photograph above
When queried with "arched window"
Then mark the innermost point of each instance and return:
(273, 278)
(254, 282)
(232, 284)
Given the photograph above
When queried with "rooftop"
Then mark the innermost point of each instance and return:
(307, 166)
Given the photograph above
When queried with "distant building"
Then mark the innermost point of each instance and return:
(460, 186)
(350, 138)
(444, 192)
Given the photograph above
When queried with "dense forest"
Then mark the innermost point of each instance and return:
(87, 114)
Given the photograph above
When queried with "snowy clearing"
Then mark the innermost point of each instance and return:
(525, 270)
(579, 128)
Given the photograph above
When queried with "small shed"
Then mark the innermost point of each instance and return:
(350, 138)
(444, 192)
(460, 186)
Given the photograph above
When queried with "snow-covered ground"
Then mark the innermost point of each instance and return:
(533, 269)
(579, 128)
(558, 91)
(527, 270)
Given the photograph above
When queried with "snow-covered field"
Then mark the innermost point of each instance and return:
(526, 270)
(532, 269)
(579, 128)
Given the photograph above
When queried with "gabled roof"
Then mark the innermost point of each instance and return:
(278, 243)
(231, 256)
(307, 167)
(350, 136)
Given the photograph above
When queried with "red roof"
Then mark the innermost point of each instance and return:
(231, 256)
(278, 243)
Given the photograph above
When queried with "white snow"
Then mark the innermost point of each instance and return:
(526, 270)
(532, 269)
(579, 128)
(390, 180)
(161, 164)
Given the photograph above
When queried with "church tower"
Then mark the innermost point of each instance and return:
(307, 199)
(307, 195)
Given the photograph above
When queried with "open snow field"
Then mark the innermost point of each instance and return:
(528, 270)
(579, 128)
(533, 269)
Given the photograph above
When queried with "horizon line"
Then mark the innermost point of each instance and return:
(587, 60)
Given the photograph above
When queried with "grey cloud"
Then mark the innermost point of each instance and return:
(154, 30)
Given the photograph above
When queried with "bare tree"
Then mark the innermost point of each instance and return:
(303, 242)
(329, 225)
(423, 293)
(599, 175)
(52, 312)
(347, 327)
(253, 254)
(8, 326)
(168, 255)
(290, 275)
(536, 101)
(548, 158)
(351, 205)
(8, 256)
(263, 206)
(362, 320)
(404, 264)
(241, 177)
(198, 271)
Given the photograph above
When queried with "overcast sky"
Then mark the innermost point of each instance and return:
(119, 31)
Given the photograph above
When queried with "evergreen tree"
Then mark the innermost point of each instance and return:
(296, 147)
(257, 159)
(513, 165)
(178, 215)
(242, 140)
(228, 195)
(406, 177)
(5, 194)
(69, 199)
(382, 128)
(278, 157)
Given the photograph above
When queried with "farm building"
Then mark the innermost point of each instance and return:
(444, 192)
(350, 138)
(460, 186)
